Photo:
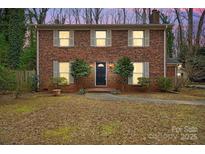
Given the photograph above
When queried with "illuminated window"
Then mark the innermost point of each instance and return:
(100, 38)
(138, 38)
(137, 72)
(64, 38)
(64, 70)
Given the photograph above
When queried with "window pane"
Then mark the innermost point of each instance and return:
(64, 70)
(138, 34)
(135, 78)
(138, 67)
(64, 42)
(100, 42)
(64, 67)
(64, 34)
(100, 34)
(138, 42)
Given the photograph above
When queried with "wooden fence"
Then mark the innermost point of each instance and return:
(25, 79)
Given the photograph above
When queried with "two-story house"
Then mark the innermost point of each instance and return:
(101, 46)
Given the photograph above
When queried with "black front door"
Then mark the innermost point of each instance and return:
(100, 73)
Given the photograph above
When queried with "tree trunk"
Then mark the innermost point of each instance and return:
(199, 30)
(180, 27)
(144, 16)
(190, 30)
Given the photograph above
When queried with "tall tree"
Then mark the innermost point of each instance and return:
(39, 14)
(177, 11)
(170, 35)
(97, 14)
(16, 33)
(87, 16)
(76, 14)
(190, 30)
(199, 30)
(59, 16)
(124, 12)
(144, 16)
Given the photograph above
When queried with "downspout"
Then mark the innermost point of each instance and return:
(37, 57)
(165, 52)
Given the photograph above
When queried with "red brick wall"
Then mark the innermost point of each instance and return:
(171, 72)
(154, 54)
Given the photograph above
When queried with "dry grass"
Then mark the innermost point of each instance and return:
(73, 119)
(185, 94)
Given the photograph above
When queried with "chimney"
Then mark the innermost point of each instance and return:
(154, 18)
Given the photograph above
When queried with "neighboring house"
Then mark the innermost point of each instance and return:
(101, 46)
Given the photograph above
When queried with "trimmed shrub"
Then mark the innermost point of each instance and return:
(80, 68)
(164, 84)
(144, 82)
(59, 81)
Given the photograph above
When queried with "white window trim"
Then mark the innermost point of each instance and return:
(69, 71)
(144, 69)
(138, 72)
(101, 38)
(70, 39)
(143, 39)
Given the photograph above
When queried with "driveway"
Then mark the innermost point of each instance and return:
(111, 97)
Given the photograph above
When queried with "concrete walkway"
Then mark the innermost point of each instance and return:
(111, 97)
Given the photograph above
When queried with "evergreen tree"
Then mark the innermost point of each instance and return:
(16, 33)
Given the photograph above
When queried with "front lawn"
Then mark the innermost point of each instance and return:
(185, 94)
(73, 119)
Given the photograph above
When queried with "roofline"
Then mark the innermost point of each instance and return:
(102, 26)
(173, 63)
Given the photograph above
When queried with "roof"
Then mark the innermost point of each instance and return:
(173, 61)
(102, 26)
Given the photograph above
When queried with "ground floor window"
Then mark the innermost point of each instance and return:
(63, 69)
(138, 72)
(141, 69)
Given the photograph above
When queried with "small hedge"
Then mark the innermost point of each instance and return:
(144, 82)
(164, 84)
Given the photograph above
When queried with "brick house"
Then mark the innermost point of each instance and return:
(101, 46)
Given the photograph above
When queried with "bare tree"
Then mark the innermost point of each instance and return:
(136, 11)
(116, 16)
(124, 12)
(39, 14)
(76, 14)
(144, 16)
(180, 26)
(199, 30)
(87, 15)
(59, 16)
(190, 29)
(97, 14)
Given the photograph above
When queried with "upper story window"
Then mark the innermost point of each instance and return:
(138, 38)
(63, 38)
(100, 38)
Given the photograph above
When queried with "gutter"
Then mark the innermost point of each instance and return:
(165, 52)
(37, 56)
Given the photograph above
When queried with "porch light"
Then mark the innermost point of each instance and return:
(178, 74)
(91, 65)
(111, 65)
